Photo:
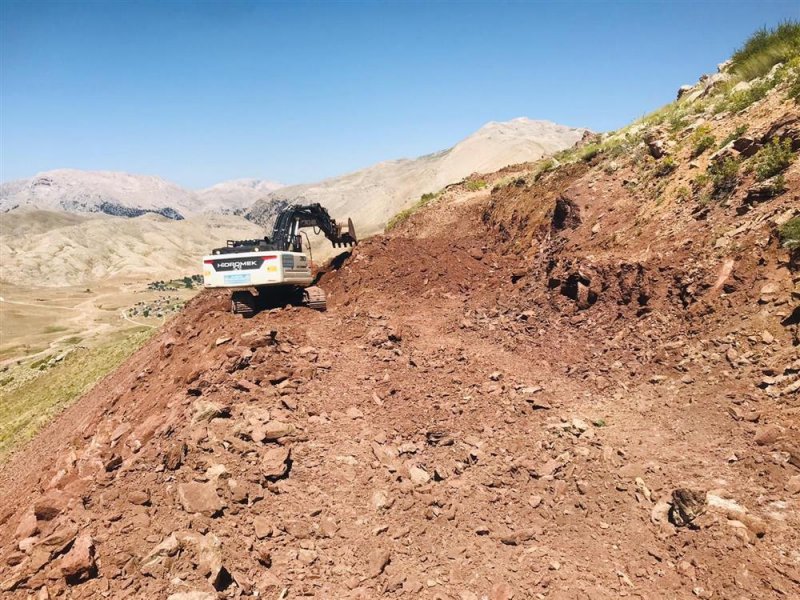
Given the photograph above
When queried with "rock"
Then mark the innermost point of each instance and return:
(501, 591)
(354, 413)
(275, 430)
(535, 500)
(199, 498)
(418, 475)
(173, 457)
(194, 595)
(746, 146)
(222, 340)
(14, 581)
(113, 463)
(59, 540)
(767, 435)
(762, 191)
(205, 411)
(139, 497)
(27, 527)
(307, 557)
(793, 485)
(378, 561)
(769, 292)
(262, 527)
(784, 128)
(684, 89)
(78, 564)
(687, 505)
(275, 462)
(50, 506)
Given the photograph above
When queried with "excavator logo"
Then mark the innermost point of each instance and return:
(239, 264)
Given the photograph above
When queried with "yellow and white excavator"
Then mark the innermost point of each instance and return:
(275, 270)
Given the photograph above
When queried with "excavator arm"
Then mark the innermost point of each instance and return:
(286, 231)
(289, 222)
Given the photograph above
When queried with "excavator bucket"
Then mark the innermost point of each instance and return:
(345, 238)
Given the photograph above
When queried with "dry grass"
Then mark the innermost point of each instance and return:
(29, 402)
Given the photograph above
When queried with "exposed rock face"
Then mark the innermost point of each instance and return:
(687, 505)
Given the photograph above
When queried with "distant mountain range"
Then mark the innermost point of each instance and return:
(126, 195)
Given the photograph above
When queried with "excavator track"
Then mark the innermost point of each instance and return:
(314, 297)
(243, 303)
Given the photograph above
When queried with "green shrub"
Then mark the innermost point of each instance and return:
(794, 87)
(724, 177)
(423, 201)
(740, 100)
(682, 193)
(666, 166)
(701, 181)
(545, 167)
(789, 233)
(588, 152)
(766, 48)
(702, 140)
(773, 158)
(476, 184)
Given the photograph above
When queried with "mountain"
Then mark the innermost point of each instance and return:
(43, 248)
(235, 195)
(373, 195)
(126, 195)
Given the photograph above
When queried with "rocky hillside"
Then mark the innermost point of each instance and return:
(590, 388)
(373, 195)
(125, 195)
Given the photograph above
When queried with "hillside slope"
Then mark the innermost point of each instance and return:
(373, 195)
(588, 389)
(52, 249)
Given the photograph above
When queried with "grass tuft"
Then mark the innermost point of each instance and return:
(724, 177)
(403, 215)
(765, 49)
(702, 140)
(789, 233)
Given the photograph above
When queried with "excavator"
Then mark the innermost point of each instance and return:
(275, 270)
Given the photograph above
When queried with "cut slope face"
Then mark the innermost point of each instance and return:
(372, 196)
(126, 195)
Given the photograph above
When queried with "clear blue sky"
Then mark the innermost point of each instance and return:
(202, 92)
